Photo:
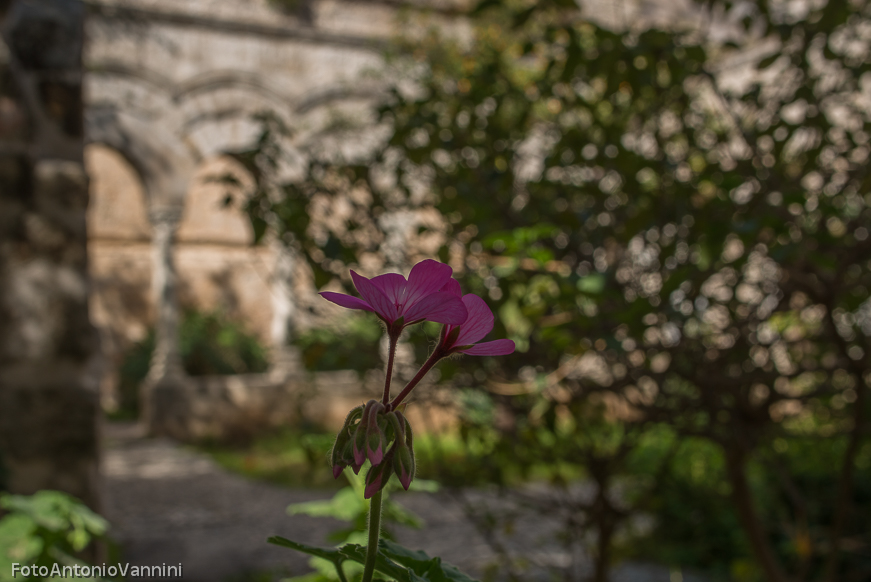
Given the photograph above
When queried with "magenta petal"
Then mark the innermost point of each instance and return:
(348, 301)
(478, 323)
(393, 285)
(375, 297)
(453, 287)
(337, 470)
(500, 347)
(440, 307)
(425, 278)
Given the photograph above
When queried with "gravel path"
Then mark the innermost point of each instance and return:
(168, 505)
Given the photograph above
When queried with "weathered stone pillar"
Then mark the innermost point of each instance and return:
(166, 167)
(166, 376)
(49, 401)
(285, 358)
(166, 360)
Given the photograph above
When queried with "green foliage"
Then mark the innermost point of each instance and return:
(209, 344)
(348, 505)
(354, 346)
(393, 560)
(44, 529)
(290, 457)
(700, 245)
(696, 528)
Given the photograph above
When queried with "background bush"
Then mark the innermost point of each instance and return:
(209, 344)
(672, 250)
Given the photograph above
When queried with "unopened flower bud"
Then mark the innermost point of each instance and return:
(362, 434)
(409, 437)
(375, 436)
(403, 465)
(342, 453)
(377, 477)
(402, 450)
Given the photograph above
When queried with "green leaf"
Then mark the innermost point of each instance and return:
(331, 554)
(383, 564)
(56, 511)
(18, 542)
(344, 505)
(393, 560)
(591, 284)
(432, 569)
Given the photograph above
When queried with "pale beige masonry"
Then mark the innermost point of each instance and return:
(170, 87)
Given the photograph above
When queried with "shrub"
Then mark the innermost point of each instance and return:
(210, 344)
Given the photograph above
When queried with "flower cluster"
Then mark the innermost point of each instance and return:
(429, 294)
(366, 430)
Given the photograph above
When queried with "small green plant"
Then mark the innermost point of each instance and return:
(44, 533)
(348, 505)
(210, 344)
(353, 346)
(290, 458)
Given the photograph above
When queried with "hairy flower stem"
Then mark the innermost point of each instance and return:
(391, 353)
(437, 355)
(374, 534)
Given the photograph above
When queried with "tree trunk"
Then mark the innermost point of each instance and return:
(736, 466)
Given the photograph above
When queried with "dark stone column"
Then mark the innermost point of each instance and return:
(49, 405)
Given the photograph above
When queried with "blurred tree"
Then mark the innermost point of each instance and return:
(673, 229)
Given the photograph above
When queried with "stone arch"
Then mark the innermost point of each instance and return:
(209, 217)
(117, 206)
(220, 269)
(216, 111)
(119, 261)
(160, 158)
(140, 90)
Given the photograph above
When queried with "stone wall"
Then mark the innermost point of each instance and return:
(48, 397)
(192, 75)
(237, 407)
(189, 77)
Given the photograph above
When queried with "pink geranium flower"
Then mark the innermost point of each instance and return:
(400, 302)
(478, 323)
(461, 338)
